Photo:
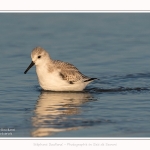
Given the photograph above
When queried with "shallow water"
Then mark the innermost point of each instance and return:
(111, 47)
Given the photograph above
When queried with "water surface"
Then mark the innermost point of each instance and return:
(112, 47)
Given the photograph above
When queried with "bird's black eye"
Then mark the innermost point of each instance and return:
(39, 56)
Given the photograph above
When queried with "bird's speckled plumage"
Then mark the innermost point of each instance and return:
(69, 72)
(56, 75)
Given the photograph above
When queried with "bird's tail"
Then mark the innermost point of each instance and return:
(91, 79)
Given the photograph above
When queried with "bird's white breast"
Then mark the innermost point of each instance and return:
(54, 82)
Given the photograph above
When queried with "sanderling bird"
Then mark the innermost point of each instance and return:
(55, 75)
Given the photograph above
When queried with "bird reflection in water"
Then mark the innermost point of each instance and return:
(57, 112)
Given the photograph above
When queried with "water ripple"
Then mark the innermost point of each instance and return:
(119, 89)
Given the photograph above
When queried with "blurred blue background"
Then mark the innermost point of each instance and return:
(113, 47)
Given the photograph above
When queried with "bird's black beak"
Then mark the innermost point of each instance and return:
(32, 63)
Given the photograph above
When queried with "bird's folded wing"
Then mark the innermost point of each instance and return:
(69, 72)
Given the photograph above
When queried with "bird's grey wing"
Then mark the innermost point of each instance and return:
(70, 73)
